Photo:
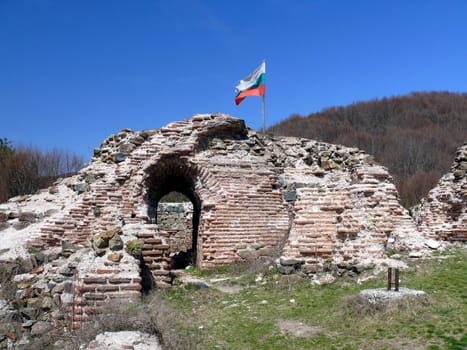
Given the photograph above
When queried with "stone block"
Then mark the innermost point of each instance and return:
(247, 254)
(115, 257)
(21, 225)
(40, 328)
(119, 157)
(312, 268)
(116, 243)
(81, 187)
(285, 261)
(286, 270)
(27, 217)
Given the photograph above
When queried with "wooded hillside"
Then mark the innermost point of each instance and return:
(414, 136)
(25, 170)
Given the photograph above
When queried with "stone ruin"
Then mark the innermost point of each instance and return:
(102, 234)
(442, 214)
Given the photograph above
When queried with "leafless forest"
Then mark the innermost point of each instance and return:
(24, 170)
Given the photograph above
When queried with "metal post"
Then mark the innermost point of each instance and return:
(264, 113)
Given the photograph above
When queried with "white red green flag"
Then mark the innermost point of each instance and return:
(252, 85)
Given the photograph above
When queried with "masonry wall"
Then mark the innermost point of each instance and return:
(250, 210)
(344, 206)
(343, 217)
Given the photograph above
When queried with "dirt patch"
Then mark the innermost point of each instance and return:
(298, 328)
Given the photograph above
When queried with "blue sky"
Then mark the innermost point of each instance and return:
(72, 72)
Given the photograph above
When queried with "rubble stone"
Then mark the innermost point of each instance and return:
(115, 257)
(40, 328)
(27, 217)
(116, 243)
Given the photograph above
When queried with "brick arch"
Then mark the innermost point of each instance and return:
(175, 174)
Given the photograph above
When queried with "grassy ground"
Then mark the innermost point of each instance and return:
(266, 314)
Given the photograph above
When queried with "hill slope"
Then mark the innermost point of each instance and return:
(415, 136)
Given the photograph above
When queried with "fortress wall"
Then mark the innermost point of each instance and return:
(255, 197)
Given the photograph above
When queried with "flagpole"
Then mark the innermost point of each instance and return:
(264, 113)
(264, 107)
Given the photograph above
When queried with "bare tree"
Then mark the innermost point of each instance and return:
(24, 170)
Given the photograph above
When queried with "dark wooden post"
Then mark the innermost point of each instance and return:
(396, 279)
(389, 278)
(396, 282)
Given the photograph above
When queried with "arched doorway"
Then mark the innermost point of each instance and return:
(174, 177)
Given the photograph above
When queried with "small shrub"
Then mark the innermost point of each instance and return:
(33, 250)
(134, 247)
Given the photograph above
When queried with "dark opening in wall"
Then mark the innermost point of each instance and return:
(174, 197)
(182, 259)
(147, 280)
(174, 179)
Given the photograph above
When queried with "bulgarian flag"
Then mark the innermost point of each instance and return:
(252, 85)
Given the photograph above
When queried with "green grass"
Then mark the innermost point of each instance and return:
(249, 319)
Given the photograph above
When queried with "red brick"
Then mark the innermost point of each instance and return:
(115, 280)
(94, 296)
(89, 280)
(107, 288)
(131, 287)
(152, 252)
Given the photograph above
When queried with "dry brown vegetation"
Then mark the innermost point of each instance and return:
(414, 136)
(24, 170)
